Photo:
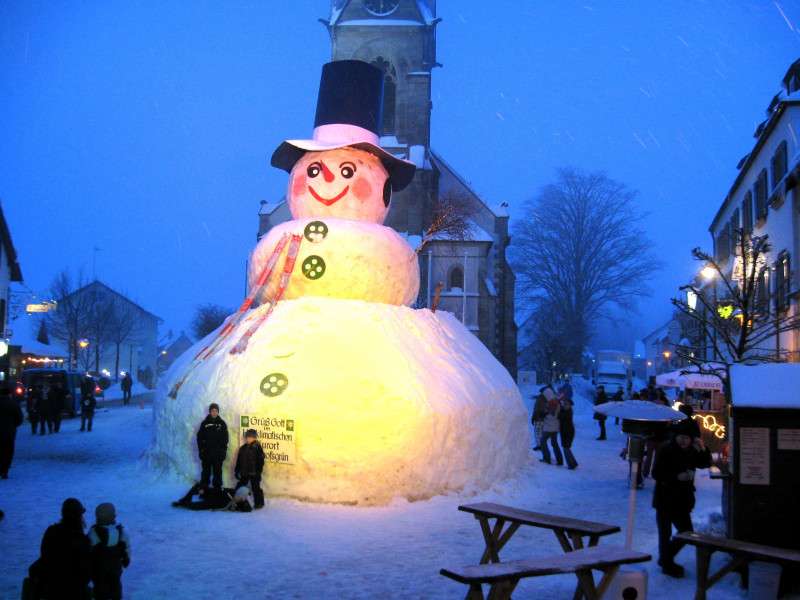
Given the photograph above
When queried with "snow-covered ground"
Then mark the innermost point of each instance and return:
(298, 550)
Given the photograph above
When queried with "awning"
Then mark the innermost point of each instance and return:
(693, 381)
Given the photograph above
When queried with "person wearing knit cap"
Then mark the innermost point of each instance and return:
(63, 569)
(249, 464)
(111, 552)
(673, 496)
(212, 445)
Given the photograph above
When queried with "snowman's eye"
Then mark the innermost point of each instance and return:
(313, 169)
(348, 169)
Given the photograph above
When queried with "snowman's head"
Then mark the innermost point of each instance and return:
(347, 183)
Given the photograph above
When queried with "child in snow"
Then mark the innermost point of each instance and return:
(249, 464)
(111, 553)
(212, 444)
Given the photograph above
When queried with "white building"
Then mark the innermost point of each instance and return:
(764, 199)
(9, 271)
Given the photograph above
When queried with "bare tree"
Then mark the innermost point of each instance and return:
(547, 350)
(123, 326)
(99, 326)
(70, 321)
(207, 318)
(450, 213)
(580, 248)
(733, 312)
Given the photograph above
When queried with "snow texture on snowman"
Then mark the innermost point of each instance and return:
(385, 400)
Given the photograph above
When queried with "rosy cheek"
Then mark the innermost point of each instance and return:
(362, 189)
(298, 185)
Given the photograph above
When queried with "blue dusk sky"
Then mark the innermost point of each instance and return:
(144, 129)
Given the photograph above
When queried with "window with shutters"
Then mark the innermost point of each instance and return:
(733, 233)
(723, 244)
(779, 162)
(782, 281)
(761, 196)
(762, 292)
(747, 213)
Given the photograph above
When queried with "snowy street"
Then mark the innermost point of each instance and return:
(300, 550)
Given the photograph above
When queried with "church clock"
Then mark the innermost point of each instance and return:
(381, 8)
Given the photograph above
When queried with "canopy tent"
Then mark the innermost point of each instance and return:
(693, 381)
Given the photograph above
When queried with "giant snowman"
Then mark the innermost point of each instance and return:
(383, 400)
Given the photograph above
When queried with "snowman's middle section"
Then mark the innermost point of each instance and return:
(339, 258)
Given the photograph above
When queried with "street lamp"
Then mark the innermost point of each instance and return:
(708, 272)
(83, 344)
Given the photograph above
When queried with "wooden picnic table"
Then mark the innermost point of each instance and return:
(742, 553)
(504, 577)
(568, 531)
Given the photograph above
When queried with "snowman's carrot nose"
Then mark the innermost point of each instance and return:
(326, 172)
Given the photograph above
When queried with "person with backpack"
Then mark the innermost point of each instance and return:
(64, 568)
(249, 465)
(550, 428)
(212, 445)
(537, 418)
(88, 402)
(110, 553)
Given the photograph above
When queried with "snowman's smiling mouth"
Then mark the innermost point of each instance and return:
(328, 201)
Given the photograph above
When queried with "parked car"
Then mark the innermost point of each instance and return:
(71, 380)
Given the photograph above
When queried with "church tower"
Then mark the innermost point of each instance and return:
(398, 37)
(472, 276)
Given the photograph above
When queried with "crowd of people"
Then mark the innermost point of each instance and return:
(672, 455)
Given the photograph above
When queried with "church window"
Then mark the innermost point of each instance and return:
(456, 279)
(389, 95)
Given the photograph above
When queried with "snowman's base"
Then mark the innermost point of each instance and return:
(386, 401)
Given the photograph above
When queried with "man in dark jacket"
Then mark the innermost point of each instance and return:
(249, 464)
(64, 567)
(10, 418)
(56, 395)
(673, 496)
(212, 444)
(126, 385)
(599, 399)
(35, 405)
(88, 402)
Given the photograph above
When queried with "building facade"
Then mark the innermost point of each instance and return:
(10, 271)
(399, 37)
(765, 200)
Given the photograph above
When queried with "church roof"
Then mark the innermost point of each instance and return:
(443, 165)
(8, 247)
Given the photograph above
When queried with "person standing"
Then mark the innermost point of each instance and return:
(88, 402)
(673, 496)
(34, 405)
(249, 465)
(10, 418)
(212, 445)
(567, 429)
(63, 570)
(127, 386)
(110, 554)
(537, 418)
(56, 395)
(599, 399)
(550, 428)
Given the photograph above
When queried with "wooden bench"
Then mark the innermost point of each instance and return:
(504, 577)
(742, 553)
(569, 532)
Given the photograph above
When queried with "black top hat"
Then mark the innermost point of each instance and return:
(349, 112)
